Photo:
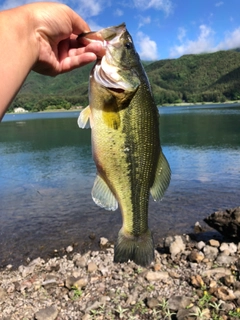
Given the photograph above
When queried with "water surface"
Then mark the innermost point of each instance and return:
(47, 173)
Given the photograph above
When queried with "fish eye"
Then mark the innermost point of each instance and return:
(128, 45)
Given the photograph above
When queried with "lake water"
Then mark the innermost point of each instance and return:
(47, 173)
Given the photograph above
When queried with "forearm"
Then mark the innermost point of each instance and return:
(18, 54)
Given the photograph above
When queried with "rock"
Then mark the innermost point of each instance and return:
(103, 242)
(200, 245)
(210, 252)
(3, 293)
(226, 222)
(196, 256)
(217, 272)
(237, 294)
(80, 283)
(92, 267)
(197, 281)
(155, 276)
(223, 259)
(176, 245)
(49, 313)
(152, 303)
(224, 293)
(198, 228)
(157, 267)
(69, 282)
(81, 261)
(214, 243)
(229, 280)
(187, 314)
(69, 249)
(178, 302)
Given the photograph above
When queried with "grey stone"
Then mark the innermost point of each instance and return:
(210, 252)
(49, 313)
(176, 246)
(92, 267)
(81, 262)
(69, 282)
(219, 272)
(152, 302)
(225, 260)
(178, 302)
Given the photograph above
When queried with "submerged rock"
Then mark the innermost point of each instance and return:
(226, 222)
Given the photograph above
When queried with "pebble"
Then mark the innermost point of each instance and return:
(156, 276)
(90, 286)
(92, 267)
(49, 313)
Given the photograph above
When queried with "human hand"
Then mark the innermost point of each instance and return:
(56, 27)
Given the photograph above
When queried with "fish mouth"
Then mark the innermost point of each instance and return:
(117, 90)
(104, 36)
(107, 70)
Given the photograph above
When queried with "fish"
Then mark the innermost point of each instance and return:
(124, 122)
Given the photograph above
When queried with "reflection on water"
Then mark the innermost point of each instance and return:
(47, 173)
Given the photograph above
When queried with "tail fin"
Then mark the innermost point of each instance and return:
(138, 249)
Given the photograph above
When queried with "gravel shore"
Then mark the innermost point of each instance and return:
(188, 280)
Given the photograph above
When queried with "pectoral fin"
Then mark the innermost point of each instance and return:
(103, 196)
(84, 118)
(162, 178)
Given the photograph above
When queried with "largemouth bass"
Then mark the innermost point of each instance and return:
(124, 120)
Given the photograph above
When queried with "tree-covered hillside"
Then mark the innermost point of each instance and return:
(191, 78)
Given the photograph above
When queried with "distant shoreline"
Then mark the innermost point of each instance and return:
(181, 104)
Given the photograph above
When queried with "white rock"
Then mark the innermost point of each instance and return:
(103, 241)
(210, 252)
(69, 249)
(177, 246)
(155, 276)
(200, 245)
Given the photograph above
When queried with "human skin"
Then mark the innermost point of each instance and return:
(41, 37)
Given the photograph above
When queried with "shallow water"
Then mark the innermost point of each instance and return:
(47, 173)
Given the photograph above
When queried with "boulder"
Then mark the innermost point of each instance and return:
(226, 222)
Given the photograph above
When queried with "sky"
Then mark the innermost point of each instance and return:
(163, 29)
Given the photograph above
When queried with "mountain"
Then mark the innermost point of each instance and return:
(191, 78)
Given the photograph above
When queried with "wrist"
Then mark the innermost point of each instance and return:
(18, 28)
(19, 52)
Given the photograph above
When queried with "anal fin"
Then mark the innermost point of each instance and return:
(162, 178)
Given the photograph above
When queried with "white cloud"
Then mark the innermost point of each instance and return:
(87, 8)
(148, 47)
(231, 41)
(218, 4)
(143, 21)
(164, 5)
(94, 26)
(118, 12)
(181, 33)
(204, 43)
